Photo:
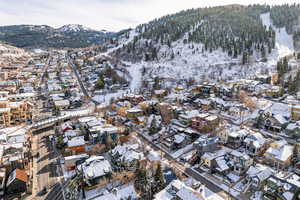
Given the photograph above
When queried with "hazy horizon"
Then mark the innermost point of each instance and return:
(111, 15)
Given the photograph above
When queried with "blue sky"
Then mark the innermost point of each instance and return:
(111, 15)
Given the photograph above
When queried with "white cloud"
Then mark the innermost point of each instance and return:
(101, 14)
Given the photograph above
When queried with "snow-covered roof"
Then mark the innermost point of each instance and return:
(281, 151)
(179, 138)
(128, 152)
(280, 119)
(239, 154)
(188, 193)
(178, 189)
(222, 165)
(62, 103)
(94, 167)
(76, 141)
(86, 119)
(256, 138)
(154, 156)
(260, 171)
(120, 193)
(190, 114)
(280, 109)
(79, 156)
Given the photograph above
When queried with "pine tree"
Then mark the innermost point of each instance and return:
(141, 181)
(235, 52)
(153, 127)
(156, 85)
(172, 55)
(285, 65)
(100, 84)
(154, 53)
(263, 51)
(159, 179)
(245, 58)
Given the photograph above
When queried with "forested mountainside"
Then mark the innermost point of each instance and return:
(34, 36)
(235, 29)
(288, 16)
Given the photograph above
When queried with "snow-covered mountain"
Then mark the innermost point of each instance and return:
(43, 36)
(74, 28)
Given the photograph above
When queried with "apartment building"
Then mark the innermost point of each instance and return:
(14, 112)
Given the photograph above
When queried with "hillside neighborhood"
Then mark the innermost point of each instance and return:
(237, 140)
(89, 124)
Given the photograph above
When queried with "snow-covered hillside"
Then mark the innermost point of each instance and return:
(186, 61)
(284, 42)
(191, 62)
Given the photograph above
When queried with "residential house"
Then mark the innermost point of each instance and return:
(134, 99)
(226, 91)
(181, 140)
(160, 93)
(206, 144)
(127, 155)
(240, 162)
(281, 188)
(204, 104)
(257, 174)
(134, 113)
(279, 154)
(70, 162)
(17, 182)
(274, 91)
(295, 112)
(204, 122)
(94, 169)
(10, 86)
(62, 104)
(22, 97)
(178, 190)
(216, 162)
(233, 139)
(76, 145)
(206, 89)
(276, 117)
(293, 129)
(256, 144)
(120, 193)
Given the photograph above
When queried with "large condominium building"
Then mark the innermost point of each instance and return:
(14, 112)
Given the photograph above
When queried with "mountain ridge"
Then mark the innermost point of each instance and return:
(44, 36)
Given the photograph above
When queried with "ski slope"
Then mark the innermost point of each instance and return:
(284, 44)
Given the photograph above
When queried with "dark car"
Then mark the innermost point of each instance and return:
(42, 192)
